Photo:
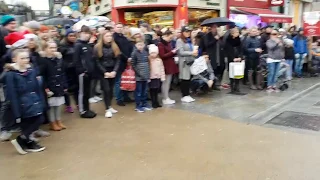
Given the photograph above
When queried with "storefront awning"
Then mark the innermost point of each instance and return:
(266, 15)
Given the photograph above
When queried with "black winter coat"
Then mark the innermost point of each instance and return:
(233, 48)
(83, 57)
(289, 53)
(264, 38)
(108, 62)
(208, 45)
(126, 48)
(54, 77)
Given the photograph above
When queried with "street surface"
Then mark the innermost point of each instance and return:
(219, 137)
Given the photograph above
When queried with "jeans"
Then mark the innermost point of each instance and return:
(120, 95)
(273, 69)
(299, 63)
(199, 84)
(141, 94)
(289, 71)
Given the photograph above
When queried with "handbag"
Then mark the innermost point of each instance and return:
(236, 70)
(128, 79)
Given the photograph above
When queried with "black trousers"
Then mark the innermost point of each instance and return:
(30, 125)
(234, 84)
(107, 85)
(185, 87)
(73, 85)
(84, 92)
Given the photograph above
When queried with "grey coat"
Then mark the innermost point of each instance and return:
(140, 65)
(275, 50)
(185, 55)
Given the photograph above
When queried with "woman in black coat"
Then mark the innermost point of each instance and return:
(233, 52)
(107, 56)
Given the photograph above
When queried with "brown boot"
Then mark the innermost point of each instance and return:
(54, 126)
(250, 78)
(62, 126)
(259, 80)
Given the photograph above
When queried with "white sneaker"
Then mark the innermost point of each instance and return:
(168, 102)
(5, 136)
(92, 100)
(108, 114)
(113, 111)
(97, 98)
(191, 99)
(185, 99)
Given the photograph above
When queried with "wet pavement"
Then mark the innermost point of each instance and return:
(205, 140)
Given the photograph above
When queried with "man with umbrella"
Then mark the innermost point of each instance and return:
(212, 45)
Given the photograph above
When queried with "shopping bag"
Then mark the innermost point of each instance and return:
(128, 79)
(236, 70)
(199, 65)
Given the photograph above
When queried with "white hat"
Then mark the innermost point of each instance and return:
(134, 31)
(30, 36)
(282, 30)
(153, 49)
(288, 41)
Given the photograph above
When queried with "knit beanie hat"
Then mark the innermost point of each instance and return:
(6, 19)
(69, 31)
(134, 31)
(15, 40)
(153, 49)
(34, 25)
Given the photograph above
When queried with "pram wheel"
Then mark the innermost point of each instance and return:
(286, 86)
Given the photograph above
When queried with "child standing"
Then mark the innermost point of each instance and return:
(55, 83)
(26, 100)
(141, 67)
(157, 74)
(289, 57)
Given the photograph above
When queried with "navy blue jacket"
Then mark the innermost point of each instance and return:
(54, 76)
(251, 44)
(24, 93)
(126, 48)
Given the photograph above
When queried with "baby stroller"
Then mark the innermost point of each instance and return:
(282, 78)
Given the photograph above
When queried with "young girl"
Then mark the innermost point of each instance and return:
(26, 100)
(107, 55)
(55, 83)
(141, 67)
(157, 74)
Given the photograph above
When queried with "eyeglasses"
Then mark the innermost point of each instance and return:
(274, 34)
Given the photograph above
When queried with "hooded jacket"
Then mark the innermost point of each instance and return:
(300, 44)
(67, 49)
(24, 93)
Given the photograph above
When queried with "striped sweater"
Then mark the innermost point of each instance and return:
(140, 64)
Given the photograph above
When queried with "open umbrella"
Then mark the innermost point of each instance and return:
(59, 22)
(91, 21)
(219, 21)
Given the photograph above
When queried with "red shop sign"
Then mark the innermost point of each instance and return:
(276, 2)
(311, 23)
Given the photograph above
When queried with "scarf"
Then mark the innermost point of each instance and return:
(190, 44)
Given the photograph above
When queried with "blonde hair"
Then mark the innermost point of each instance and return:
(99, 46)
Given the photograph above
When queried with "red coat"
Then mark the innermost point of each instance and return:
(166, 55)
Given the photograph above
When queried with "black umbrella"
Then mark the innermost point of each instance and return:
(59, 22)
(219, 21)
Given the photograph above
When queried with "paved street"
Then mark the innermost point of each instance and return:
(214, 138)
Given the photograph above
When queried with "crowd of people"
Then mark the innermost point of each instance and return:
(43, 67)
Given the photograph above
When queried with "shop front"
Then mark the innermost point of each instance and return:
(154, 12)
(248, 13)
(199, 10)
(311, 23)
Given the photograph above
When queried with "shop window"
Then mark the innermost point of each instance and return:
(163, 18)
(196, 16)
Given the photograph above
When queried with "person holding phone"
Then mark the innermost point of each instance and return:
(167, 54)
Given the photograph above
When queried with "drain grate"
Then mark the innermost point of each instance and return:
(297, 120)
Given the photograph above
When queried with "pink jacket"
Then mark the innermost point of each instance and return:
(157, 69)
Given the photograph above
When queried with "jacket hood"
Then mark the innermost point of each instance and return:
(15, 67)
(56, 54)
